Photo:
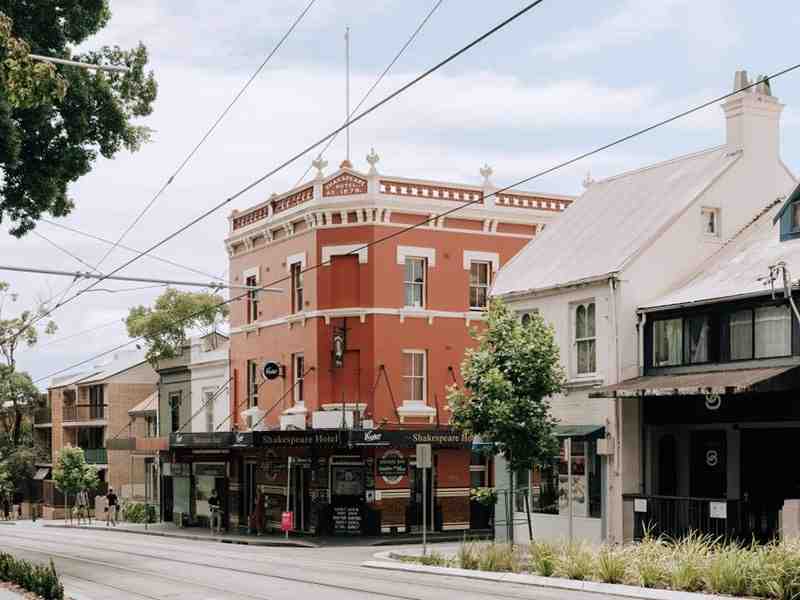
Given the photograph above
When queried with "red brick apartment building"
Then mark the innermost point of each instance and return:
(361, 349)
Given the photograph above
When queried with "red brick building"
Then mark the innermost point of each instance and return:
(366, 344)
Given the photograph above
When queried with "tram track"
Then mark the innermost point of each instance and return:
(339, 568)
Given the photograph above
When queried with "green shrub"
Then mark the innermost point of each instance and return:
(137, 512)
(434, 559)
(776, 571)
(729, 570)
(468, 555)
(543, 558)
(577, 561)
(690, 562)
(651, 565)
(499, 557)
(612, 564)
(39, 579)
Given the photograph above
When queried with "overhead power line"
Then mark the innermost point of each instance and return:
(207, 134)
(86, 275)
(305, 151)
(463, 205)
(64, 250)
(378, 80)
(134, 250)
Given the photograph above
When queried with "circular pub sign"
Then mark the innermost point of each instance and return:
(392, 466)
(271, 370)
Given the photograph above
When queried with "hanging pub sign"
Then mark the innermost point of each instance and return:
(392, 466)
(339, 347)
(272, 370)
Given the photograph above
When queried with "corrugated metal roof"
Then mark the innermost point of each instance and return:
(612, 222)
(690, 384)
(148, 405)
(66, 380)
(737, 268)
(118, 364)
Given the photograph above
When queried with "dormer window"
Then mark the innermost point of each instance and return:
(789, 216)
(710, 222)
(795, 218)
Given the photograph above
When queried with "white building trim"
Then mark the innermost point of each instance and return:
(417, 252)
(329, 251)
(471, 256)
(253, 271)
(292, 259)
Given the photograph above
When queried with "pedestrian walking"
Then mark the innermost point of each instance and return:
(111, 507)
(82, 504)
(6, 508)
(216, 513)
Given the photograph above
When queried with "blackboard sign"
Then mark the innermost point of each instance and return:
(392, 466)
(347, 520)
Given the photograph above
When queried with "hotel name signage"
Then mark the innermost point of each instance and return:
(272, 439)
(219, 439)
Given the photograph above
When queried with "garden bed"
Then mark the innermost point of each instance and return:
(693, 564)
(40, 580)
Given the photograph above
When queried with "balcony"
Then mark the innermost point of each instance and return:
(43, 417)
(84, 414)
(96, 456)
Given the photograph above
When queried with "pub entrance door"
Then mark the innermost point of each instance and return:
(300, 496)
(347, 496)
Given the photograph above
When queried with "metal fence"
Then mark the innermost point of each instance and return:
(677, 516)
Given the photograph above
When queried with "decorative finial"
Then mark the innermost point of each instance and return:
(319, 164)
(764, 86)
(486, 173)
(588, 180)
(346, 164)
(373, 159)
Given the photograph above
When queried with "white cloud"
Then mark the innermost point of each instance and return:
(707, 22)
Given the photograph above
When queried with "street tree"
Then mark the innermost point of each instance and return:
(508, 379)
(165, 327)
(54, 121)
(72, 474)
(18, 395)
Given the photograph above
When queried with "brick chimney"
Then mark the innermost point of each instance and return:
(753, 118)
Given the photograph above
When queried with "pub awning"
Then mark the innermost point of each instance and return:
(41, 473)
(725, 381)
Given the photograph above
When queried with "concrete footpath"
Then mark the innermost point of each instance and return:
(389, 561)
(273, 540)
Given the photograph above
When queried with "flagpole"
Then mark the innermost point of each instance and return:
(347, 89)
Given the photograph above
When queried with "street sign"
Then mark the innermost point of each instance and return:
(424, 456)
(287, 520)
(272, 370)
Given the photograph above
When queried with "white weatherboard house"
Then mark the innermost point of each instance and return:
(721, 356)
(210, 392)
(630, 239)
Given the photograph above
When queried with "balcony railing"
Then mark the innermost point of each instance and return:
(96, 456)
(84, 412)
(43, 416)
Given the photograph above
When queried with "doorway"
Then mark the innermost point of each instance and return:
(709, 464)
(768, 478)
(347, 497)
(300, 498)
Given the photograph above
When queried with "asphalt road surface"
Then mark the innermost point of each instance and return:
(99, 565)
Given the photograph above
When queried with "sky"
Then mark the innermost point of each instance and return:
(568, 76)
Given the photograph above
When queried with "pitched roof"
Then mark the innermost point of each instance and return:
(146, 406)
(741, 266)
(612, 222)
(119, 363)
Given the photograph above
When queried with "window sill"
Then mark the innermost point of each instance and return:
(584, 381)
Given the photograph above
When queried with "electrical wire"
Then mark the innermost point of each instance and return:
(207, 133)
(462, 205)
(377, 81)
(134, 250)
(308, 149)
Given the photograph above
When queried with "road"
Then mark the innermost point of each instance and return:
(100, 565)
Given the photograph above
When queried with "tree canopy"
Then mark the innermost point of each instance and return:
(54, 121)
(508, 379)
(71, 472)
(165, 326)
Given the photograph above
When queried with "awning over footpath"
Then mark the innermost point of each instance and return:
(728, 381)
(580, 431)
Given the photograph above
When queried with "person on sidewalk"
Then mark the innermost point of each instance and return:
(216, 513)
(82, 504)
(6, 508)
(111, 507)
